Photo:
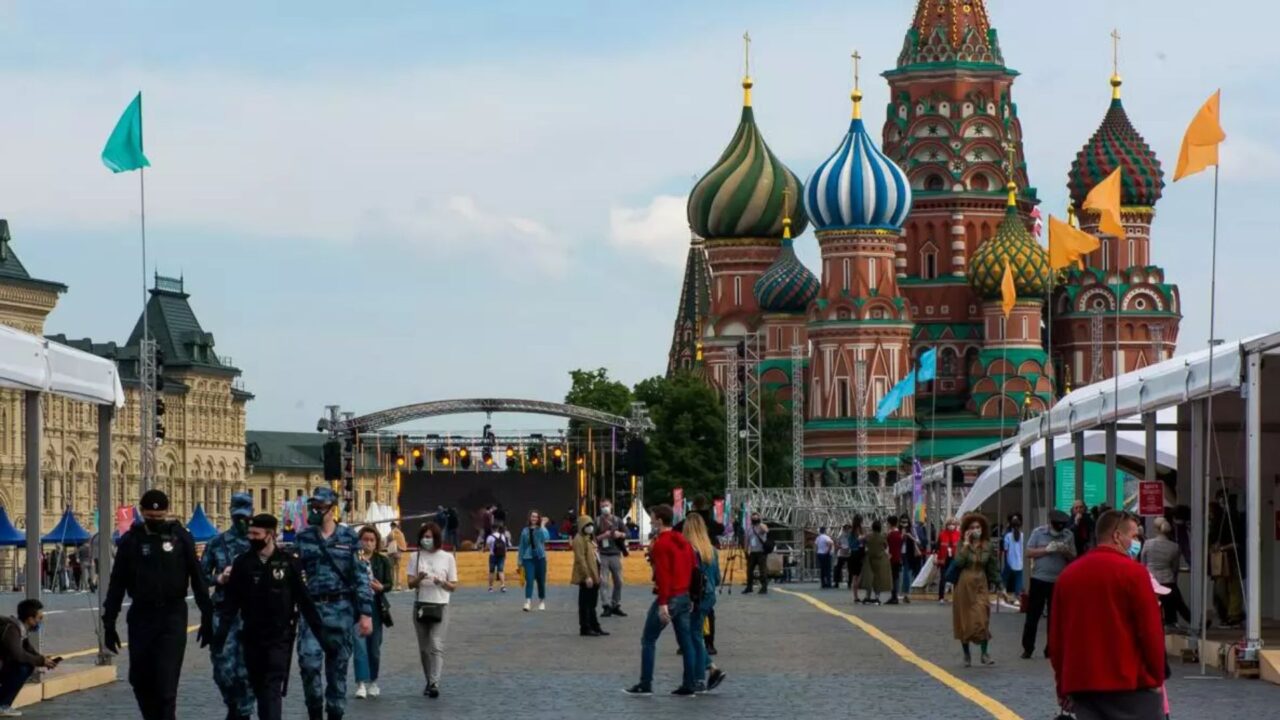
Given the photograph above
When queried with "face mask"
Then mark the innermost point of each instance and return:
(605, 510)
(155, 525)
(1135, 548)
(316, 517)
(590, 529)
(36, 628)
(257, 544)
(428, 543)
(755, 521)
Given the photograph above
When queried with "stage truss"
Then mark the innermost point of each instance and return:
(811, 508)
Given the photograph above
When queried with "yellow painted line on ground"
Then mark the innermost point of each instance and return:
(94, 651)
(961, 688)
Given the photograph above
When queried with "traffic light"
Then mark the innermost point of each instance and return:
(419, 460)
(464, 458)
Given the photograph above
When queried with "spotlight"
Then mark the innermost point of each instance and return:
(442, 456)
(464, 458)
(511, 452)
(487, 456)
(534, 455)
(557, 458)
(418, 459)
(399, 460)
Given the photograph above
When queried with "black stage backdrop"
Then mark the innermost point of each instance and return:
(551, 493)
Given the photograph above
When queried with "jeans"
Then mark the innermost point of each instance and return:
(1039, 602)
(895, 571)
(701, 659)
(824, 569)
(942, 578)
(535, 569)
(12, 678)
(906, 577)
(761, 561)
(681, 610)
(367, 652)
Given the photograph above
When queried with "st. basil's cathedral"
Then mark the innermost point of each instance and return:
(914, 234)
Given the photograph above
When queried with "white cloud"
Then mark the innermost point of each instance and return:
(658, 231)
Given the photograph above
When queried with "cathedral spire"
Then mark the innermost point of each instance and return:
(691, 314)
(951, 33)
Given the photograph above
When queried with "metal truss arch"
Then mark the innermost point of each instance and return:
(638, 423)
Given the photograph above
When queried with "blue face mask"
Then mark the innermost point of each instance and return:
(36, 629)
(1135, 548)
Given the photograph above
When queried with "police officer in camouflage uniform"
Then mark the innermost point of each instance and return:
(338, 582)
(220, 554)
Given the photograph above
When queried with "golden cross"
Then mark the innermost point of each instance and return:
(856, 57)
(1115, 51)
(746, 53)
(1012, 148)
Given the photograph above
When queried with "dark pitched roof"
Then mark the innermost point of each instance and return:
(299, 451)
(12, 270)
(177, 332)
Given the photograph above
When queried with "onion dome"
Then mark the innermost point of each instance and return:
(1117, 144)
(858, 187)
(1012, 244)
(787, 286)
(947, 32)
(742, 195)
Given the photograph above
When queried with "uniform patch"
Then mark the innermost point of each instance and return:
(277, 573)
(168, 546)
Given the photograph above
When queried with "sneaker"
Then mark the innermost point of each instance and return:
(700, 687)
(617, 611)
(906, 599)
(433, 690)
(683, 691)
(542, 605)
(608, 610)
(987, 660)
(639, 691)
(600, 632)
(504, 588)
(716, 677)
(526, 606)
(8, 711)
(374, 691)
(490, 588)
(1026, 655)
(892, 601)
(361, 691)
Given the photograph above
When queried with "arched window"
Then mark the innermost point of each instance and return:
(930, 265)
(934, 183)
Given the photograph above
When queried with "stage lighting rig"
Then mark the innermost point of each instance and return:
(487, 457)
(464, 458)
(419, 459)
(557, 457)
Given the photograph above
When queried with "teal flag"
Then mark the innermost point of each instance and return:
(928, 365)
(124, 148)
(892, 400)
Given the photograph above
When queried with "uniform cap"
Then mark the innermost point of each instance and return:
(241, 505)
(265, 521)
(154, 500)
(324, 495)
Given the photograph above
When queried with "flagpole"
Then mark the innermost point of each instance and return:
(1004, 380)
(1209, 434)
(144, 435)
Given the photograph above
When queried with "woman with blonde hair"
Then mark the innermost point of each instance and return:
(695, 531)
(976, 571)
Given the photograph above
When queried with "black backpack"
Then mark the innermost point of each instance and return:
(697, 582)
(499, 545)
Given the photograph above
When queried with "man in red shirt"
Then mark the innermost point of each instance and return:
(1105, 635)
(672, 558)
(895, 556)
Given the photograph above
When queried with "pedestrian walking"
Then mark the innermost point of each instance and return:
(948, 546)
(910, 560)
(586, 575)
(842, 556)
(155, 564)
(611, 542)
(434, 575)
(979, 571)
(263, 597)
(707, 675)
(877, 572)
(1105, 636)
(338, 581)
(451, 528)
(1011, 553)
(367, 651)
(533, 558)
(758, 547)
(673, 565)
(1049, 548)
(496, 543)
(857, 554)
(229, 671)
(893, 537)
(823, 549)
(18, 660)
(1163, 559)
(397, 550)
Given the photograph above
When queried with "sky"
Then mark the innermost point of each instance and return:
(376, 204)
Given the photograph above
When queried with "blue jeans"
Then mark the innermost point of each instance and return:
(535, 569)
(701, 660)
(681, 610)
(367, 652)
(904, 587)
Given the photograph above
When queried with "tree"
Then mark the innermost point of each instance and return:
(593, 389)
(686, 448)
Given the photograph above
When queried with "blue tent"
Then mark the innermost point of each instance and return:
(10, 536)
(66, 532)
(200, 527)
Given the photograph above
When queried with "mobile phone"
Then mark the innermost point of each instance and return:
(57, 659)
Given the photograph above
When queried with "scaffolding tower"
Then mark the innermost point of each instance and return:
(753, 461)
(797, 416)
(147, 375)
(1095, 346)
(731, 392)
(860, 412)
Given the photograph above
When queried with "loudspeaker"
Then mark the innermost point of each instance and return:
(332, 461)
(637, 460)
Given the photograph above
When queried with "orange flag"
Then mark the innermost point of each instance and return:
(1008, 293)
(1067, 245)
(1104, 198)
(1200, 144)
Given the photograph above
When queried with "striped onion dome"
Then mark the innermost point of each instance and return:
(1013, 244)
(858, 187)
(1117, 144)
(742, 195)
(787, 286)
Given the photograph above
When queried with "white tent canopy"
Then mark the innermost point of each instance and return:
(29, 362)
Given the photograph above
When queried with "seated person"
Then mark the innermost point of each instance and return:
(17, 660)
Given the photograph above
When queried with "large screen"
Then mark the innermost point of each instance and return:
(550, 493)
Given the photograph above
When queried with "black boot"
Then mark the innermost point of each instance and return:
(617, 611)
(334, 715)
(315, 713)
(608, 610)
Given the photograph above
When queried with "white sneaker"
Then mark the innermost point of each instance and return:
(526, 606)
(373, 690)
(542, 605)
(361, 692)
(10, 712)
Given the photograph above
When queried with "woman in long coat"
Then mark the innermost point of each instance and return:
(876, 571)
(979, 571)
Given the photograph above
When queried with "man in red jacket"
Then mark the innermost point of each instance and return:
(672, 558)
(1105, 635)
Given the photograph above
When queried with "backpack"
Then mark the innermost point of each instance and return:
(697, 582)
(499, 545)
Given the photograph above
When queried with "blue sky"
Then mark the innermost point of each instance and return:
(382, 203)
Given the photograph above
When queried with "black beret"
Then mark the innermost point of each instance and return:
(264, 521)
(154, 500)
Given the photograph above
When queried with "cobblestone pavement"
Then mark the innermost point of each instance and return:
(783, 656)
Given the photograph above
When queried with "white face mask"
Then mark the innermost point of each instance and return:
(428, 543)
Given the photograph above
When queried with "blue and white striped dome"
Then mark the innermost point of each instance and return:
(858, 187)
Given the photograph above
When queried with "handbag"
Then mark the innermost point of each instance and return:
(1217, 563)
(384, 610)
(428, 613)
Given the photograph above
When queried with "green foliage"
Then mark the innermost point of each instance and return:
(686, 448)
(593, 389)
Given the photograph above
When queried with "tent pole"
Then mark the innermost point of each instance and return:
(34, 497)
(106, 516)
